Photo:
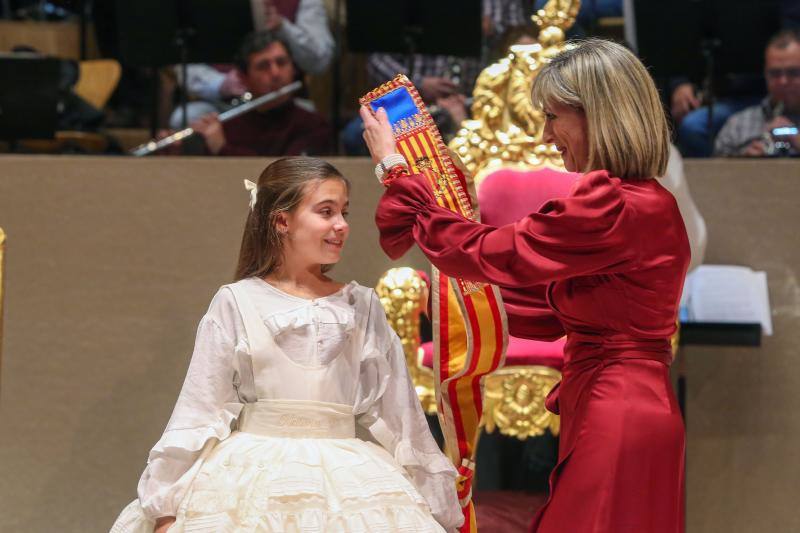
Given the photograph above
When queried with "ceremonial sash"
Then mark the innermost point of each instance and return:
(469, 322)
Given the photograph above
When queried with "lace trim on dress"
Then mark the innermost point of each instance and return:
(380, 517)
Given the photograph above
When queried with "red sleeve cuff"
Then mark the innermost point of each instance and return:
(397, 213)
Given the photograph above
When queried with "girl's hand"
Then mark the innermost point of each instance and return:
(163, 524)
(378, 134)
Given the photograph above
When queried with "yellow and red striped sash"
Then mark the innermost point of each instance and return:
(470, 329)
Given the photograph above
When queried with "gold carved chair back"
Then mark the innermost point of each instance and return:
(506, 130)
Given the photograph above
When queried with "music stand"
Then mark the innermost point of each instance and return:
(157, 33)
(415, 27)
(669, 38)
(28, 96)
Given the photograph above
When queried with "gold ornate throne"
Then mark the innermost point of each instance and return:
(514, 173)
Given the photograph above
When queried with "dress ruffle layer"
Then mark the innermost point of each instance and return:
(251, 483)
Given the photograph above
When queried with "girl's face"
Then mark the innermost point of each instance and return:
(565, 126)
(315, 232)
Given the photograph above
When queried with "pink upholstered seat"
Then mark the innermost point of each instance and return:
(505, 196)
(508, 194)
(520, 352)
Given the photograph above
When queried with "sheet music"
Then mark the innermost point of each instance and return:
(727, 293)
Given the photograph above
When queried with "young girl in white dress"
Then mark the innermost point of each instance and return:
(297, 413)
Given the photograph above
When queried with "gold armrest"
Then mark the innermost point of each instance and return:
(404, 296)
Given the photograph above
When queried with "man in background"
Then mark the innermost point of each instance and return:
(302, 25)
(280, 127)
(769, 128)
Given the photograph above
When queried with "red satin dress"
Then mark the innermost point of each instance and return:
(604, 265)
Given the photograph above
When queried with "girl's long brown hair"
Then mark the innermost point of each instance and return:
(281, 187)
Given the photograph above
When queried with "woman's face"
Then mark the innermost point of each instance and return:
(315, 232)
(565, 126)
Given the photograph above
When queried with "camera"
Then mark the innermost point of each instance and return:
(777, 141)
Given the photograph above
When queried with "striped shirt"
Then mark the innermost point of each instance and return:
(746, 126)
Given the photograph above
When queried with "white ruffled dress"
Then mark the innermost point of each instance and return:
(328, 434)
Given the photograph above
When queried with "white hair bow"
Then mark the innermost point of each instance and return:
(253, 188)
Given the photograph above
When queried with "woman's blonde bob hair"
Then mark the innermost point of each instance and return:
(627, 132)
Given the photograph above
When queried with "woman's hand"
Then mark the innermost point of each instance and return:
(163, 524)
(378, 134)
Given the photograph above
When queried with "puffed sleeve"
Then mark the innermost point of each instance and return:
(590, 232)
(207, 406)
(387, 406)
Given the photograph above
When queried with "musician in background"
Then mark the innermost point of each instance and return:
(769, 128)
(280, 127)
(301, 24)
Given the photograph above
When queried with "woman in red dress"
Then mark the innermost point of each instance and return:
(612, 257)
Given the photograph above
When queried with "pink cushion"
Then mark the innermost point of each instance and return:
(507, 195)
(521, 352)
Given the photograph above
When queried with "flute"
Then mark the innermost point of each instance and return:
(154, 146)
